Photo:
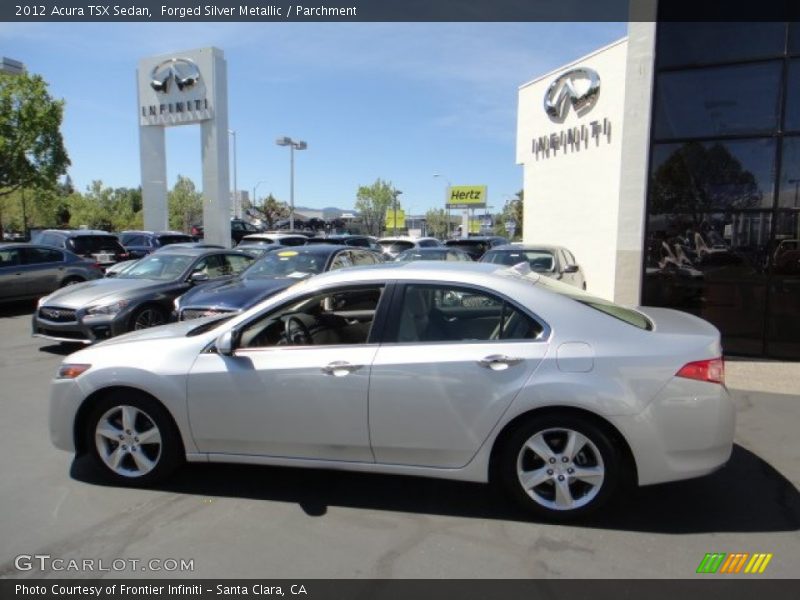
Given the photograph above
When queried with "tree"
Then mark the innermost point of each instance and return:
(185, 205)
(512, 212)
(698, 177)
(32, 153)
(372, 202)
(436, 223)
(271, 210)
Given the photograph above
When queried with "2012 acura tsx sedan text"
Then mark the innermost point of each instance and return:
(475, 372)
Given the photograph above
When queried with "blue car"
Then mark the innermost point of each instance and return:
(272, 273)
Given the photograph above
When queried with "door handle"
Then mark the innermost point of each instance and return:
(499, 362)
(340, 368)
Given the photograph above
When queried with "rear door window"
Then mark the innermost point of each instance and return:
(35, 256)
(433, 313)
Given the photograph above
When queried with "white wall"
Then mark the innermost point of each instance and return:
(572, 195)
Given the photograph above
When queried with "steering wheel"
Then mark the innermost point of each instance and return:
(296, 332)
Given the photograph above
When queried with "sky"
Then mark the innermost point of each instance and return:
(396, 101)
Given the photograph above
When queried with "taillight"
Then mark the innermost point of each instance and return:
(712, 370)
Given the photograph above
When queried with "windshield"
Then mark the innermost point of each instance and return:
(161, 267)
(395, 246)
(286, 263)
(166, 240)
(539, 260)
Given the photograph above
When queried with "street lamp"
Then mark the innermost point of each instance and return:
(237, 207)
(293, 145)
(395, 194)
(446, 195)
(255, 187)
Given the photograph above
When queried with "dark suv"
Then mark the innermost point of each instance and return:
(101, 246)
(141, 243)
(476, 245)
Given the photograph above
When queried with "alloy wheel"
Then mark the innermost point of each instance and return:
(560, 469)
(128, 441)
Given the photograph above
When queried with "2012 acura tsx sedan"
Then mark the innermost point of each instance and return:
(475, 372)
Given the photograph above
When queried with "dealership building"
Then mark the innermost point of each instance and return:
(669, 164)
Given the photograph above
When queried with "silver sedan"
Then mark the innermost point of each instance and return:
(475, 372)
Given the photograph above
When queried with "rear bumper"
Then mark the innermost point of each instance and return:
(686, 432)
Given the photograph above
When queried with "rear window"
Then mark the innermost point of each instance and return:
(396, 246)
(539, 260)
(90, 244)
(623, 313)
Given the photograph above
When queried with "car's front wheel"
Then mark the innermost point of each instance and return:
(560, 467)
(148, 316)
(132, 439)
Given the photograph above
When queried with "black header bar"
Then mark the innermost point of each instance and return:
(397, 10)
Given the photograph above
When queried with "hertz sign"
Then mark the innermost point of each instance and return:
(466, 196)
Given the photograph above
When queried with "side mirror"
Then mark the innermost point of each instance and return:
(571, 269)
(198, 277)
(226, 343)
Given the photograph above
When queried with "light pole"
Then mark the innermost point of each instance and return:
(255, 187)
(395, 193)
(446, 202)
(237, 207)
(293, 145)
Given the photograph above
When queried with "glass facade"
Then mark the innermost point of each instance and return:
(723, 205)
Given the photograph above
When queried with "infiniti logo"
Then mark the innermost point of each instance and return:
(578, 87)
(182, 71)
(51, 312)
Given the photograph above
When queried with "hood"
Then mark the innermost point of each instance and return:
(101, 291)
(235, 295)
(170, 331)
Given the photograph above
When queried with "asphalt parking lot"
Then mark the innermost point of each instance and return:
(241, 521)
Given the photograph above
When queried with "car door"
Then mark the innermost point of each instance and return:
(11, 274)
(282, 393)
(450, 365)
(43, 270)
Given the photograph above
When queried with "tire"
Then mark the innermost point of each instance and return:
(147, 316)
(71, 281)
(132, 439)
(554, 489)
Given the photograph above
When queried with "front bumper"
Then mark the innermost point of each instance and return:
(66, 397)
(81, 329)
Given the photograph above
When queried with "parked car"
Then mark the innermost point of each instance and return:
(30, 271)
(440, 253)
(273, 273)
(281, 239)
(476, 245)
(101, 246)
(141, 243)
(552, 261)
(560, 397)
(346, 239)
(138, 298)
(392, 246)
(241, 228)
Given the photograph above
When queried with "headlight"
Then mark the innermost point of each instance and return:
(108, 309)
(71, 371)
(176, 304)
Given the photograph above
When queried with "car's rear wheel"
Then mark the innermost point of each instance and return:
(132, 439)
(560, 466)
(148, 316)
